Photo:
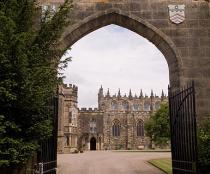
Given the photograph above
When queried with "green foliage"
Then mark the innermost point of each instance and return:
(29, 63)
(13, 150)
(204, 142)
(157, 127)
(119, 147)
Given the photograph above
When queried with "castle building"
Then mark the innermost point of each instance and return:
(117, 123)
(67, 119)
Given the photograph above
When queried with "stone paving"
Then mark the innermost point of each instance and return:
(107, 162)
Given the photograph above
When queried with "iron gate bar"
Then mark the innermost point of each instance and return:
(183, 130)
(48, 154)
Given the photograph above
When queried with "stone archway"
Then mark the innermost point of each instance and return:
(135, 24)
(93, 143)
(185, 46)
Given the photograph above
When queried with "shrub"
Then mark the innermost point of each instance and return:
(204, 144)
(29, 61)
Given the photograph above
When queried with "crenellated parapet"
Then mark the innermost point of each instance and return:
(70, 86)
(89, 110)
(130, 102)
(130, 96)
(68, 90)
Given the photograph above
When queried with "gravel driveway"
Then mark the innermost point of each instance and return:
(107, 162)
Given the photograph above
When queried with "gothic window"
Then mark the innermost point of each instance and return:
(92, 124)
(157, 105)
(116, 128)
(70, 117)
(140, 128)
(73, 117)
(147, 106)
(125, 105)
(119, 106)
(114, 105)
(136, 107)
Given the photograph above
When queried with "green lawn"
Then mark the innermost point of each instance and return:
(163, 164)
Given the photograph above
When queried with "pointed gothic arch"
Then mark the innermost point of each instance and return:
(140, 128)
(114, 105)
(147, 106)
(93, 143)
(125, 105)
(136, 107)
(116, 128)
(133, 23)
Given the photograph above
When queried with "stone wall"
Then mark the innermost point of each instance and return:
(185, 46)
(128, 138)
(85, 133)
(128, 110)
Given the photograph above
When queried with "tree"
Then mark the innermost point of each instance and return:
(157, 127)
(204, 144)
(29, 62)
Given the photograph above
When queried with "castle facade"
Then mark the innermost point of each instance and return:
(117, 123)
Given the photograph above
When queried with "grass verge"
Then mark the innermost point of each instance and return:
(163, 164)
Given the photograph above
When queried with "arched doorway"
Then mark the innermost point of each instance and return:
(92, 143)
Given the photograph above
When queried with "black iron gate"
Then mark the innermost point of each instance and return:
(183, 130)
(47, 156)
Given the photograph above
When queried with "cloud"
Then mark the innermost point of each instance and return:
(116, 58)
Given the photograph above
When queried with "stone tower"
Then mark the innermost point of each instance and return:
(67, 118)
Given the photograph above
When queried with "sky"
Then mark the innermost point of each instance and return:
(115, 57)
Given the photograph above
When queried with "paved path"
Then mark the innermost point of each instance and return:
(107, 162)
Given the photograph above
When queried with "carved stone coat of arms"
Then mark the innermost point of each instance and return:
(177, 13)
